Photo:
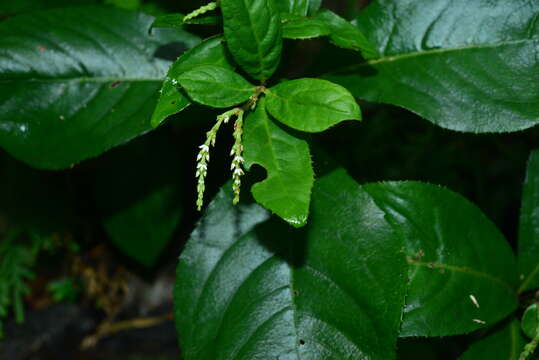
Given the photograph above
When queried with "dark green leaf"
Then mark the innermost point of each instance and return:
(216, 86)
(462, 271)
(346, 35)
(169, 20)
(295, 7)
(171, 101)
(69, 92)
(205, 20)
(505, 343)
(311, 105)
(253, 34)
(274, 292)
(530, 321)
(138, 193)
(302, 27)
(463, 65)
(287, 189)
(528, 239)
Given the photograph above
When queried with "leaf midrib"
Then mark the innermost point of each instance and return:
(421, 53)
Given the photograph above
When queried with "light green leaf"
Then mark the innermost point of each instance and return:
(253, 34)
(528, 237)
(302, 27)
(503, 343)
(463, 65)
(530, 321)
(138, 193)
(171, 101)
(346, 35)
(311, 105)
(462, 271)
(295, 7)
(274, 292)
(215, 86)
(287, 189)
(69, 92)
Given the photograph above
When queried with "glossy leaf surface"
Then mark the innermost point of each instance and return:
(346, 35)
(215, 86)
(302, 27)
(461, 269)
(311, 105)
(295, 7)
(253, 34)
(211, 51)
(287, 189)
(528, 240)
(504, 343)
(138, 193)
(272, 291)
(530, 321)
(69, 92)
(466, 66)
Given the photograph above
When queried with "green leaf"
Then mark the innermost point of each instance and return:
(171, 101)
(253, 34)
(216, 86)
(466, 66)
(295, 7)
(530, 321)
(169, 20)
(528, 237)
(346, 35)
(461, 270)
(273, 292)
(503, 343)
(138, 193)
(311, 105)
(287, 189)
(302, 27)
(69, 92)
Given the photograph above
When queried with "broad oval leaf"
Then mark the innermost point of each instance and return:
(273, 292)
(296, 7)
(528, 237)
(461, 269)
(287, 189)
(138, 195)
(253, 34)
(302, 27)
(69, 92)
(216, 86)
(311, 105)
(346, 35)
(463, 65)
(211, 51)
(503, 343)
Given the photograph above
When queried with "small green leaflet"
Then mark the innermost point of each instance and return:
(346, 35)
(311, 105)
(530, 321)
(169, 20)
(253, 34)
(171, 101)
(287, 189)
(302, 27)
(216, 86)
